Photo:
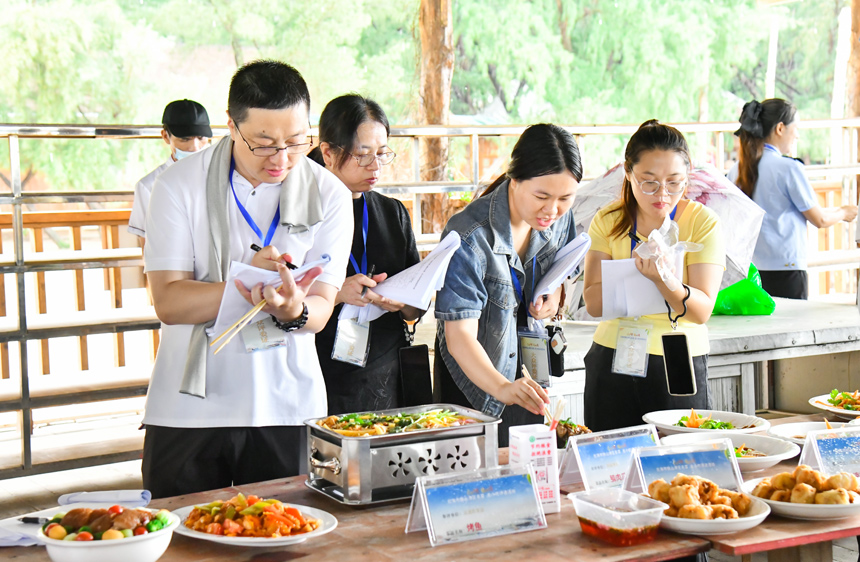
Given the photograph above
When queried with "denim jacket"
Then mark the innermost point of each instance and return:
(478, 285)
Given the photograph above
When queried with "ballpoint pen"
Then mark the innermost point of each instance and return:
(289, 265)
(369, 275)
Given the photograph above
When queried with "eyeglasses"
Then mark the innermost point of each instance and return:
(269, 151)
(365, 160)
(651, 187)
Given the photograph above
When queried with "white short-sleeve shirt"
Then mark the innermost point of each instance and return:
(280, 386)
(142, 193)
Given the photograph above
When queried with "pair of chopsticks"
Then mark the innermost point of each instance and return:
(559, 407)
(238, 325)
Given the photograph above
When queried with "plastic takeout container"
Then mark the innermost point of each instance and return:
(617, 516)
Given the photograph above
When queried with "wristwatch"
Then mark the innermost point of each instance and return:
(293, 325)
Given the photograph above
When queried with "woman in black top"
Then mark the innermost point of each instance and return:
(354, 146)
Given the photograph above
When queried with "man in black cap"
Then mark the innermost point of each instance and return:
(186, 130)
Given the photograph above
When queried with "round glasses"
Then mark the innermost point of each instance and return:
(651, 187)
(365, 160)
(269, 151)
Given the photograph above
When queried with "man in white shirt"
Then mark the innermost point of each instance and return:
(237, 417)
(185, 131)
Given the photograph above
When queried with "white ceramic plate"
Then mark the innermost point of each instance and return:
(665, 421)
(329, 522)
(820, 402)
(757, 513)
(775, 449)
(796, 432)
(805, 510)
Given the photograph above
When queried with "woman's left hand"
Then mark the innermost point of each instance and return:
(546, 306)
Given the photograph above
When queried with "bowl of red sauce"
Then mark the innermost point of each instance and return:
(617, 516)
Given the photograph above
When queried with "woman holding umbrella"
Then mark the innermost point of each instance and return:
(656, 165)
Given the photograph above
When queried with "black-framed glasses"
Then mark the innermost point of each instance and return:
(651, 187)
(365, 160)
(269, 151)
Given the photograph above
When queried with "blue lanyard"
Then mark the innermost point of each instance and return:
(634, 240)
(518, 289)
(364, 223)
(773, 148)
(247, 216)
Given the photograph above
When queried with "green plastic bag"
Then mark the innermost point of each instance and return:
(745, 298)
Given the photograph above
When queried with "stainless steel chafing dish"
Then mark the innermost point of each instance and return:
(377, 468)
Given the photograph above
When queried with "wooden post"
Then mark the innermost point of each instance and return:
(4, 347)
(80, 299)
(115, 279)
(437, 69)
(41, 299)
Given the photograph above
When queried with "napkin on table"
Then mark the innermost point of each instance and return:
(13, 538)
(126, 498)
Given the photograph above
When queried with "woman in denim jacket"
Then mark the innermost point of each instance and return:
(515, 227)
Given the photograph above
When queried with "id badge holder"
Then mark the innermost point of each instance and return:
(263, 334)
(631, 349)
(351, 342)
(534, 348)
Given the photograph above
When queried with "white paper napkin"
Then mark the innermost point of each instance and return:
(12, 538)
(126, 498)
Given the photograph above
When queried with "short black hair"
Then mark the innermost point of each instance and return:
(266, 84)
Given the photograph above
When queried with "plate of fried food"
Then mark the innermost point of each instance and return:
(753, 452)
(698, 506)
(693, 421)
(808, 494)
(844, 404)
(253, 521)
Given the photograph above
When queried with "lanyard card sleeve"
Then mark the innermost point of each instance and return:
(534, 348)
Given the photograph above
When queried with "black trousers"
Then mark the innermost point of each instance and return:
(178, 461)
(613, 401)
(789, 284)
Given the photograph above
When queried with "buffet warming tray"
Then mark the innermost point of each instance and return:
(378, 468)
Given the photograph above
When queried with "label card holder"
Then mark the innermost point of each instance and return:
(832, 451)
(484, 503)
(601, 459)
(714, 460)
(534, 348)
(631, 349)
(262, 335)
(351, 341)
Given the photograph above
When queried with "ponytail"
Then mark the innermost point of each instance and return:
(758, 120)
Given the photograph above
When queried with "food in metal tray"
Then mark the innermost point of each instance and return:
(249, 517)
(367, 423)
(693, 497)
(805, 485)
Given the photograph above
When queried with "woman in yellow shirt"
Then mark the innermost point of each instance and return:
(657, 165)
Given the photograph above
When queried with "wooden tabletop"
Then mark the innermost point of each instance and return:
(377, 533)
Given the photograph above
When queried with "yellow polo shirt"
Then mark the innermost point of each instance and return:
(697, 224)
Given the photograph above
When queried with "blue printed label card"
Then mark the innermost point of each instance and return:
(833, 450)
(714, 460)
(475, 505)
(601, 460)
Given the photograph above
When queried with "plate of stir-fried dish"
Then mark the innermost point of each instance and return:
(753, 452)
(844, 404)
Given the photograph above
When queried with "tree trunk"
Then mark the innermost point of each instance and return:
(437, 69)
(852, 90)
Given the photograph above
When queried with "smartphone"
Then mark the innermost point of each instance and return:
(415, 377)
(680, 377)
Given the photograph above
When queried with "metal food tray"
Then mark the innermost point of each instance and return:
(379, 468)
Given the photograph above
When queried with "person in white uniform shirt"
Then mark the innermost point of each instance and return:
(236, 417)
(185, 130)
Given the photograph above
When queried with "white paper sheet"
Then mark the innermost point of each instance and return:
(628, 293)
(233, 304)
(565, 263)
(413, 286)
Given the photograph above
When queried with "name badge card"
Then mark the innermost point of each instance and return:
(833, 450)
(714, 460)
(476, 505)
(263, 334)
(601, 460)
(631, 349)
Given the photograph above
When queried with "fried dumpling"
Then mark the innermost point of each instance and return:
(844, 480)
(659, 490)
(688, 494)
(803, 493)
(695, 512)
(763, 489)
(838, 496)
(783, 481)
(811, 477)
